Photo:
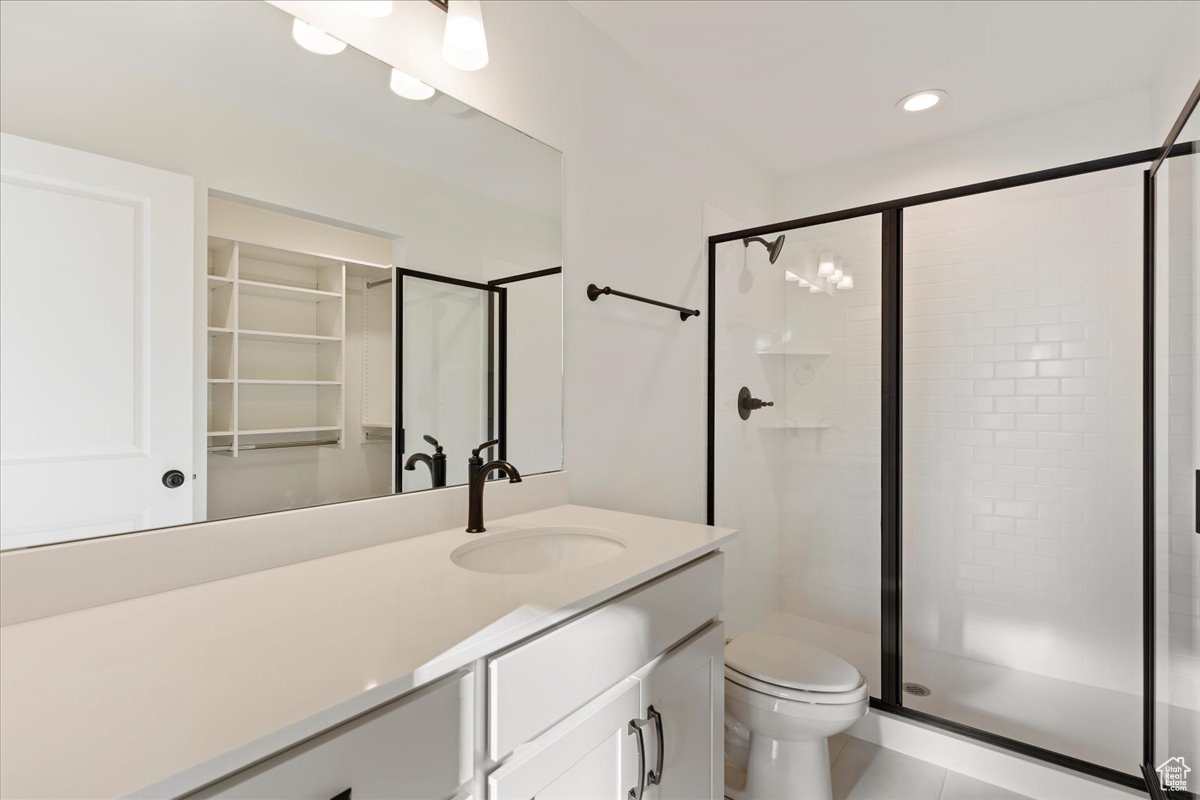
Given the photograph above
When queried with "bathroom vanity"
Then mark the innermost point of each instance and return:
(565, 648)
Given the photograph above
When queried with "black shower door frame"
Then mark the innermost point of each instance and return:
(497, 342)
(891, 645)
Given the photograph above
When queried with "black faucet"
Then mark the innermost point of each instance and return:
(436, 463)
(478, 474)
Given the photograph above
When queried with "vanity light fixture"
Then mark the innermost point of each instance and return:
(836, 276)
(409, 87)
(376, 9)
(847, 282)
(464, 45)
(922, 100)
(826, 267)
(315, 40)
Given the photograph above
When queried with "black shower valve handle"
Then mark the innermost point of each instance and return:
(492, 443)
(433, 441)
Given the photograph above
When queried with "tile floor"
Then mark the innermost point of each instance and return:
(863, 771)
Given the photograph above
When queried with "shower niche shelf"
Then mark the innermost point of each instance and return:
(801, 351)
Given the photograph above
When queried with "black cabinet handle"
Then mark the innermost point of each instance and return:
(656, 775)
(173, 479)
(635, 727)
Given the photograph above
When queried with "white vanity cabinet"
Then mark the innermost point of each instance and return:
(622, 702)
(419, 746)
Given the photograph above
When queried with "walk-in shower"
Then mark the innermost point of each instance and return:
(975, 477)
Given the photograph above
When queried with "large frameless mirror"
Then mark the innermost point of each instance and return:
(240, 276)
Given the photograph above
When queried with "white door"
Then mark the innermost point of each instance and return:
(591, 755)
(683, 696)
(95, 344)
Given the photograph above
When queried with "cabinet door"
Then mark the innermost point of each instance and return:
(683, 692)
(591, 755)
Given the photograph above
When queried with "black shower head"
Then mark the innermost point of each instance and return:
(773, 248)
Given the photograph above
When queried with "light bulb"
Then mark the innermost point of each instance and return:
(315, 40)
(922, 100)
(825, 268)
(847, 282)
(464, 45)
(409, 87)
(369, 8)
(836, 276)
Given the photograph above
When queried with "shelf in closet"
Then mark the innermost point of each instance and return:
(220, 433)
(220, 330)
(266, 382)
(215, 281)
(220, 380)
(284, 291)
(295, 338)
(276, 431)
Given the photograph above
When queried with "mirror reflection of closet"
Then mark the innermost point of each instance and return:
(299, 369)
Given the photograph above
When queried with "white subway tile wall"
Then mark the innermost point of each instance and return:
(1022, 415)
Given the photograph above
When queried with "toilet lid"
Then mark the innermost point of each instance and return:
(783, 661)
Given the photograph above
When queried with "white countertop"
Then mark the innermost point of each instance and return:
(161, 694)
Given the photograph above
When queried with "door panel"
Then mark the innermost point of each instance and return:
(95, 308)
(686, 687)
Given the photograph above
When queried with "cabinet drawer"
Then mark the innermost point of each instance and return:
(420, 746)
(536, 684)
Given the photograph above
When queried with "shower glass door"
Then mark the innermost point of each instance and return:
(1022, 464)
(801, 478)
(1177, 464)
(447, 381)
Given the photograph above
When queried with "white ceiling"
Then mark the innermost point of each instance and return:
(806, 83)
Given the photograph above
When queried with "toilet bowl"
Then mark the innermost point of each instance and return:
(783, 699)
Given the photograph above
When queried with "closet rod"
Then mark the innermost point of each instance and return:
(373, 284)
(271, 445)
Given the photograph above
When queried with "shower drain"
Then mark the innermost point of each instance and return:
(920, 690)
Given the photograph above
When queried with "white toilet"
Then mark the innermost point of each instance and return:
(783, 699)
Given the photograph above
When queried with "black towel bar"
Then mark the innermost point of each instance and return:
(594, 291)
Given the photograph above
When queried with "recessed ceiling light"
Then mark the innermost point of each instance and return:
(409, 87)
(922, 100)
(315, 40)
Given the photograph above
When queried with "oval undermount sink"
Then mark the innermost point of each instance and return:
(531, 550)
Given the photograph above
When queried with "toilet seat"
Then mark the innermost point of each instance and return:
(855, 695)
(790, 669)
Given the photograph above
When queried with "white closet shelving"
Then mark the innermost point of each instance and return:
(276, 349)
